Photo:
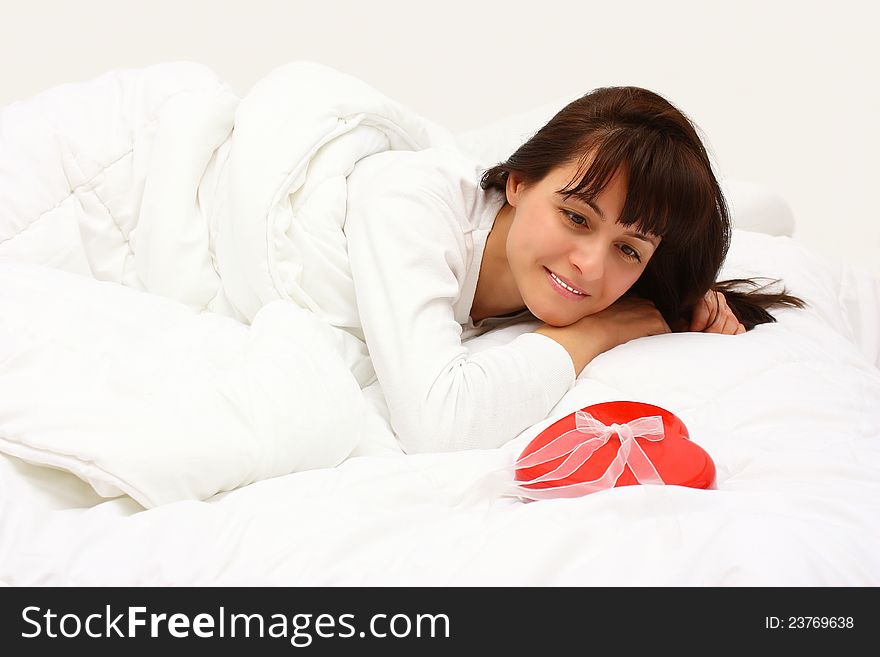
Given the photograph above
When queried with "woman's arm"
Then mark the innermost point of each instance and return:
(626, 319)
(409, 256)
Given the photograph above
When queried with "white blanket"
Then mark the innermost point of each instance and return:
(138, 394)
(161, 180)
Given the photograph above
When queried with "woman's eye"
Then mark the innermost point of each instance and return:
(631, 253)
(577, 220)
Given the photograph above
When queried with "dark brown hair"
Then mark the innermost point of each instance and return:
(672, 192)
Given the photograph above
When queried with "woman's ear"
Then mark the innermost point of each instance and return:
(514, 188)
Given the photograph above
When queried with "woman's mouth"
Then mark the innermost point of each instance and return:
(563, 289)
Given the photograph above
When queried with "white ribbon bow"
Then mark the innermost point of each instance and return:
(579, 444)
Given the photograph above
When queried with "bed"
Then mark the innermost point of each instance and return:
(120, 261)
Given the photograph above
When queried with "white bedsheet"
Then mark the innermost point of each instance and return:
(790, 413)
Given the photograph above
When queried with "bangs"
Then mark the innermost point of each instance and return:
(668, 193)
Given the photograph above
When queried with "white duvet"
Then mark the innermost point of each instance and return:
(133, 389)
(161, 180)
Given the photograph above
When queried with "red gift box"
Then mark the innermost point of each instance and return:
(639, 440)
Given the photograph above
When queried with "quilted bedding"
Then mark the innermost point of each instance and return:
(790, 412)
(162, 180)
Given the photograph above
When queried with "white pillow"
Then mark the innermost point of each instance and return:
(796, 401)
(136, 393)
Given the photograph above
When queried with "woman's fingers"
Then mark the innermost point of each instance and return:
(721, 313)
(703, 311)
(730, 325)
(725, 322)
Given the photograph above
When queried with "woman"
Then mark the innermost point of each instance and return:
(607, 225)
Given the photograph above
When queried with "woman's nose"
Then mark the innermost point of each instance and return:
(589, 259)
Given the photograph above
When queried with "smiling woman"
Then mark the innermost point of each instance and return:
(546, 237)
(608, 225)
(641, 213)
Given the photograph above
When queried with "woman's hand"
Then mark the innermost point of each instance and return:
(626, 319)
(725, 321)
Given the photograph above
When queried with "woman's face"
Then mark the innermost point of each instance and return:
(583, 246)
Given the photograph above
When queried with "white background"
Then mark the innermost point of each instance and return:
(786, 93)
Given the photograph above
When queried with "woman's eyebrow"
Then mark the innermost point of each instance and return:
(595, 207)
(601, 214)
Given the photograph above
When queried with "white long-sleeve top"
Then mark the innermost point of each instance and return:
(416, 228)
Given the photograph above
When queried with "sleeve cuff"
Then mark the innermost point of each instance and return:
(550, 362)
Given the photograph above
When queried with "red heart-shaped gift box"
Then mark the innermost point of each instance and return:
(677, 459)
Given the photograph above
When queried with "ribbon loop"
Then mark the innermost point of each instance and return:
(579, 444)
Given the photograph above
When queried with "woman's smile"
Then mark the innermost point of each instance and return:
(564, 290)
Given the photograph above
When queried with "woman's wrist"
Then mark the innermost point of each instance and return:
(582, 340)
